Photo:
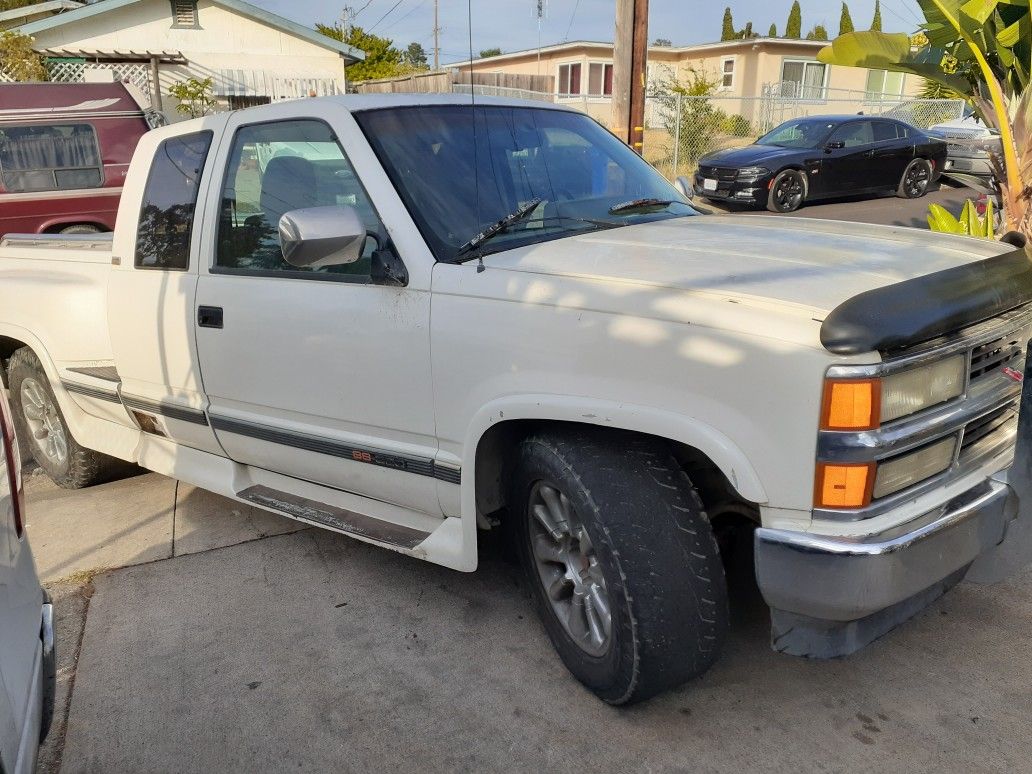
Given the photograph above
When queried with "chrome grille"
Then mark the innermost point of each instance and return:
(994, 355)
(986, 426)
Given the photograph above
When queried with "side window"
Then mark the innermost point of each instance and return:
(854, 134)
(50, 158)
(169, 199)
(884, 130)
(278, 167)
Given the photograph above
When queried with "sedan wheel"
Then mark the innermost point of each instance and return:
(915, 181)
(786, 192)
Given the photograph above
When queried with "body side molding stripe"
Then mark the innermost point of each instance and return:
(91, 392)
(420, 466)
(182, 413)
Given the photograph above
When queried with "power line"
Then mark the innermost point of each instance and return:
(389, 12)
(404, 16)
(572, 17)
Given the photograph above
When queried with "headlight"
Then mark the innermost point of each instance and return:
(914, 467)
(864, 404)
(752, 173)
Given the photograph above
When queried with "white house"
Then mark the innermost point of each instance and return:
(251, 55)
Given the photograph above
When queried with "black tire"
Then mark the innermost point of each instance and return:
(659, 562)
(80, 467)
(787, 191)
(915, 181)
(80, 228)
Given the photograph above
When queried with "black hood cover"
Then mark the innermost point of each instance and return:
(916, 310)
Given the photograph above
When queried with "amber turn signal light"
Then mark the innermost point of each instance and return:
(851, 404)
(843, 486)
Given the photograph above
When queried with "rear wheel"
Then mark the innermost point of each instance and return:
(620, 559)
(80, 228)
(787, 191)
(41, 425)
(916, 178)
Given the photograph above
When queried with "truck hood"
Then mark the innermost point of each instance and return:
(806, 264)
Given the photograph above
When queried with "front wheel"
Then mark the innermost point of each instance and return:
(915, 180)
(621, 560)
(42, 427)
(787, 191)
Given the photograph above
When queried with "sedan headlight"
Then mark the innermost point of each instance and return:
(864, 404)
(752, 173)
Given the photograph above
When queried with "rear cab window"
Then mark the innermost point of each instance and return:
(50, 157)
(169, 199)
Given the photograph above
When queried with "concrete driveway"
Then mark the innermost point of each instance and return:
(234, 641)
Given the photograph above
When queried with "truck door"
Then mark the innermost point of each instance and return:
(151, 290)
(319, 374)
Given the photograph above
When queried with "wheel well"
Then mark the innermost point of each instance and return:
(8, 347)
(497, 445)
(55, 228)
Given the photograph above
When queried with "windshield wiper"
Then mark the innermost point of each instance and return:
(497, 228)
(638, 204)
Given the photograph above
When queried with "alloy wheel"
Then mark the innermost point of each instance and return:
(44, 421)
(917, 180)
(788, 193)
(569, 570)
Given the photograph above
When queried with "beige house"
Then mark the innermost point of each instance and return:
(747, 72)
(252, 56)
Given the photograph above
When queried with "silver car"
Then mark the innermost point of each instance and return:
(27, 666)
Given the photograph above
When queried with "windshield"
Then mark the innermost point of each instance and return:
(802, 133)
(576, 168)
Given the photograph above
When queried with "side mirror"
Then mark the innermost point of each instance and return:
(314, 237)
(835, 145)
(684, 185)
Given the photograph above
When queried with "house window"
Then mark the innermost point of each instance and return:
(881, 83)
(184, 13)
(727, 73)
(569, 79)
(600, 79)
(803, 79)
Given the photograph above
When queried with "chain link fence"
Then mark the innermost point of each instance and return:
(680, 129)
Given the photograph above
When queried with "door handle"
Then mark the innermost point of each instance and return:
(209, 316)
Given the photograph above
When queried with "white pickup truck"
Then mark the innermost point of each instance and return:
(411, 318)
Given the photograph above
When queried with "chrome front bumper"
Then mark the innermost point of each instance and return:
(838, 579)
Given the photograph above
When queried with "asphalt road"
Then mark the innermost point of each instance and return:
(885, 210)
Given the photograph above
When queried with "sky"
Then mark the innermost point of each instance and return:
(512, 24)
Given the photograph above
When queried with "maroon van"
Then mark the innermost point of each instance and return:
(64, 152)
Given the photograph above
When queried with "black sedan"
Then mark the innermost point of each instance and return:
(823, 156)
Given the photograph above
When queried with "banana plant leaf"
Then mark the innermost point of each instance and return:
(890, 51)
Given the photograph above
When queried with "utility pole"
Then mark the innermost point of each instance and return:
(437, 37)
(630, 54)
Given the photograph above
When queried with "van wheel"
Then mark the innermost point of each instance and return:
(41, 426)
(80, 228)
(622, 564)
(915, 180)
(787, 191)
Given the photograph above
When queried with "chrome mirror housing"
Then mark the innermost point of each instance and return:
(315, 237)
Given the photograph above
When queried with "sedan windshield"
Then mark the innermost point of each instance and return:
(458, 183)
(801, 133)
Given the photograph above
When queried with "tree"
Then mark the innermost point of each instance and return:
(415, 56)
(195, 97)
(727, 29)
(773, 31)
(794, 28)
(817, 33)
(662, 43)
(876, 21)
(489, 52)
(845, 22)
(746, 33)
(18, 60)
(980, 51)
(382, 60)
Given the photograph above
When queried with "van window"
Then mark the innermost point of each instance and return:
(167, 213)
(50, 157)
